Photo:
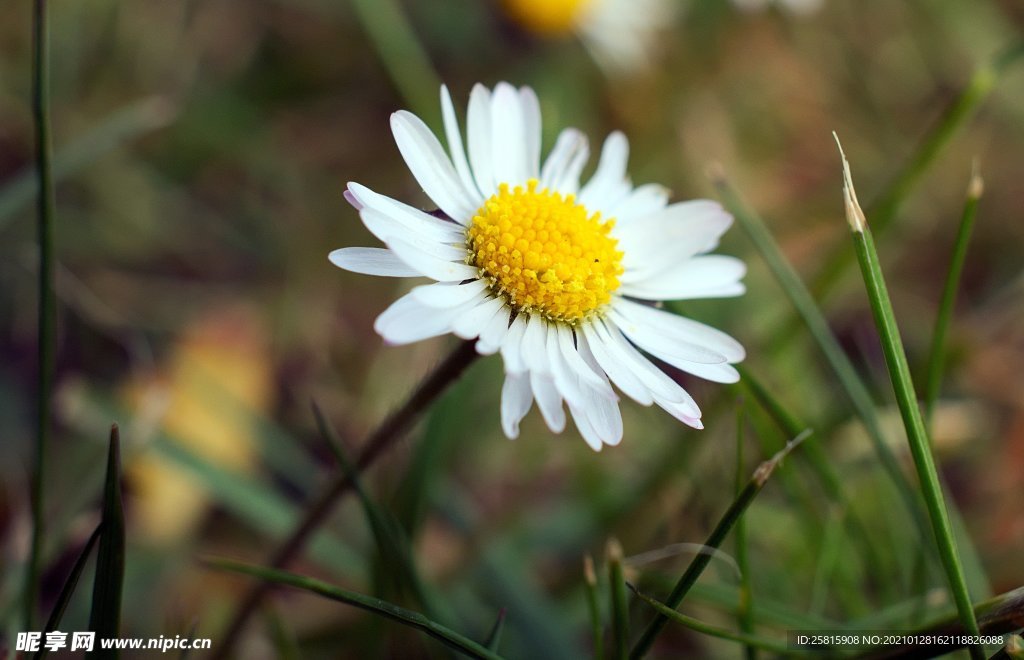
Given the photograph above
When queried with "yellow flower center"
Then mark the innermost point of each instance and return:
(546, 17)
(544, 253)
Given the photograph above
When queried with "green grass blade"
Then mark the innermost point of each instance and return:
(494, 637)
(123, 126)
(393, 548)
(884, 210)
(937, 354)
(906, 399)
(446, 636)
(814, 319)
(105, 617)
(718, 534)
(750, 641)
(746, 608)
(619, 601)
(47, 302)
(593, 607)
(68, 589)
(403, 56)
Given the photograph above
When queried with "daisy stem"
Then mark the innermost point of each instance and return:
(937, 354)
(801, 298)
(906, 399)
(47, 302)
(402, 55)
(714, 540)
(382, 439)
(887, 205)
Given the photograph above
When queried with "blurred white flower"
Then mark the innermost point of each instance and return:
(795, 6)
(547, 272)
(619, 34)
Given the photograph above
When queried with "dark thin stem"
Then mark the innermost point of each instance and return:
(996, 616)
(382, 439)
(745, 611)
(47, 303)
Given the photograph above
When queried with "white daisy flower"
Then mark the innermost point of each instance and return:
(618, 33)
(551, 274)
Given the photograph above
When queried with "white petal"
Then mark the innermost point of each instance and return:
(609, 183)
(407, 321)
(448, 294)
(512, 346)
(431, 266)
(661, 386)
(372, 261)
(681, 329)
(431, 166)
(478, 135)
(717, 373)
(508, 138)
(516, 399)
(655, 339)
(471, 323)
(531, 130)
(406, 216)
(615, 367)
(586, 429)
(548, 400)
(657, 241)
(606, 418)
(493, 335)
(564, 164)
(534, 350)
(681, 413)
(706, 276)
(351, 199)
(575, 361)
(641, 201)
(454, 136)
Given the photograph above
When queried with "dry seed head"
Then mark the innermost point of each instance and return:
(854, 214)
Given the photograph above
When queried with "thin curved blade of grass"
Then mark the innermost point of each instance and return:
(619, 601)
(392, 544)
(906, 399)
(68, 589)
(751, 641)
(937, 353)
(593, 607)
(715, 539)
(105, 617)
(888, 203)
(446, 636)
(402, 55)
(819, 461)
(47, 301)
(124, 125)
(745, 613)
(494, 637)
(814, 319)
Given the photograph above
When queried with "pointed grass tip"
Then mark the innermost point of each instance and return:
(976, 188)
(854, 214)
(588, 571)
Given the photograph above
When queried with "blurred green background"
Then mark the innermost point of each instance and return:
(202, 149)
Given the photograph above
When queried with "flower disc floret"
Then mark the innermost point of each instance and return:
(545, 253)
